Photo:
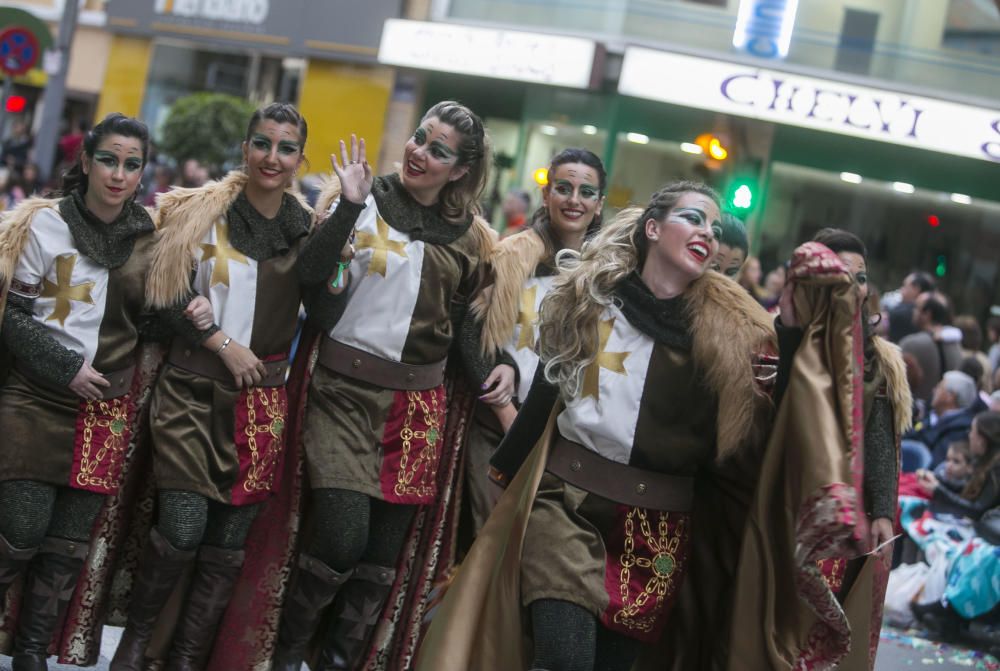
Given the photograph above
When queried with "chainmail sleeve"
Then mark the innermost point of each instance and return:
(881, 474)
(318, 258)
(323, 308)
(33, 346)
(180, 325)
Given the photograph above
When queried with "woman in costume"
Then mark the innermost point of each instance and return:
(375, 415)
(73, 273)
(523, 269)
(734, 246)
(219, 408)
(886, 415)
(599, 551)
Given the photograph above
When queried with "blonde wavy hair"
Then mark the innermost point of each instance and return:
(460, 199)
(585, 286)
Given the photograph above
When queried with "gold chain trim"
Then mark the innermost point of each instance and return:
(114, 417)
(663, 564)
(428, 456)
(273, 424)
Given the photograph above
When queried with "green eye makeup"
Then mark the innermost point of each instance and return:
(110, 161)
(420, 136)
(587, 191)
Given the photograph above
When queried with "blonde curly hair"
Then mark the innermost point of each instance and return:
(585, 286)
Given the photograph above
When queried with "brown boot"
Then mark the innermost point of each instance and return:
(51, 580)
(355, 615)
(314, 588)
(12, 562)
(160, 567)
(216, 573)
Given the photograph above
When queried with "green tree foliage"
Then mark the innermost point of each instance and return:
(208, 127)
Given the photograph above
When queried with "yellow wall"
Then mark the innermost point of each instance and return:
(338, 100)
(125, 80)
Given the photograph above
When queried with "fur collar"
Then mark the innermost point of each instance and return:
(730, 331)
(513, 261)
(184, 217)
(890, 362)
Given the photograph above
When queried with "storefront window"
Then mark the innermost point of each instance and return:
(178, 69)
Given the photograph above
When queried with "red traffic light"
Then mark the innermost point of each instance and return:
(15, 104)
(933, 220)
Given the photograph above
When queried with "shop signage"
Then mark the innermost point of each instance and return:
(238, 11)
(485, 52)
(338, 29)
(764, 27)
(822, 104)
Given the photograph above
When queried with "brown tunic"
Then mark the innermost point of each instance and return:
(193, 418)
(564, 547)
(39, 421)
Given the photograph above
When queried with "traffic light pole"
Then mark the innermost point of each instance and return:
(55, 93)
(8, 86)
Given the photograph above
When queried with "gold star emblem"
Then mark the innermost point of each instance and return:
(63, 291)
(526, 318)
(613, 361)
(381, 246)
(223, 253)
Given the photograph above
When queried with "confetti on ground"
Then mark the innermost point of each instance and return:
(939, 654)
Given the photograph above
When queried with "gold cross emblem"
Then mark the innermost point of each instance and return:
(526, 318)
(63, 291)
(613, 361)
(223, 253)
(381, 246)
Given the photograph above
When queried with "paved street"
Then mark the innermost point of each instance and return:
(897, 652)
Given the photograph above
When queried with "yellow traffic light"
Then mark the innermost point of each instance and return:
(712, 146)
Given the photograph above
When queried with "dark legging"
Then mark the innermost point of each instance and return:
(569, 638)
(30, 511)
(351, 528)
(187, 520)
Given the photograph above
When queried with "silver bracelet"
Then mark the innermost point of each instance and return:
(224, 345)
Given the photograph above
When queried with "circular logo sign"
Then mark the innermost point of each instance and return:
(19, 50)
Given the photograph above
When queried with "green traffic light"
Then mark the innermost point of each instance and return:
(942, 266)
(743, 198)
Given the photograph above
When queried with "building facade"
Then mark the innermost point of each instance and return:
(879, 116)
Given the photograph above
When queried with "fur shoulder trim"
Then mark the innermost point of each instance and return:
(15, 229)
(513, 261)
(730, 330)
(184, 217)
(328, 193)
(890, 361)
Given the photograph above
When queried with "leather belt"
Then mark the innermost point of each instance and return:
(360, 365)
(573, 463)
(200, 361)
(121, 383)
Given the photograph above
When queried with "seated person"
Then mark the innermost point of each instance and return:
(982, 492)
(954, 403)
(954, 473)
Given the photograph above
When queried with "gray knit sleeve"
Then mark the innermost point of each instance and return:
(180, 325)
(319, 256)
(881, 473)
(33, 346)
